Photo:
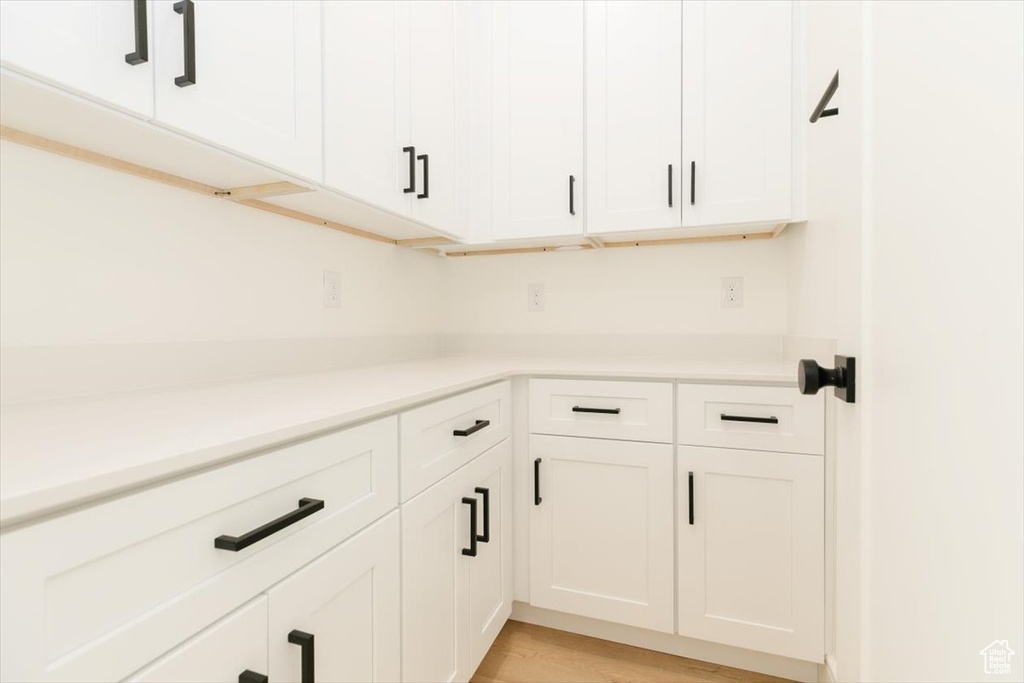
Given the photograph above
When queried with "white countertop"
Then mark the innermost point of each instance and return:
(57, 454)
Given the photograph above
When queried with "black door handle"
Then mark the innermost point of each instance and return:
(480, 424)
(670, 186)
(691, 496)
(141, 54)
(536, 482)
(471, 550)
(744, 418)
(601, 411)
(411, 151)
(425, 158)
(307, 506)
(187, 9)
(485, 537)
(305, 641)
(693, 183)
(248, 676)
(843, 377)
(572, 195)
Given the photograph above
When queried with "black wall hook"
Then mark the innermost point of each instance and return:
(820, 110)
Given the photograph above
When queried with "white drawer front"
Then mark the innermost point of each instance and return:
(629, 411)
(71, 585)
(750, 417)
(431, 450)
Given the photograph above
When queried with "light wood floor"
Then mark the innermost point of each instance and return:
(524, 653)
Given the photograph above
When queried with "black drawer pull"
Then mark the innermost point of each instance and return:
(248, 676)
(187, 9)
(693, 183)
(536, 482)
(480, 424)
(670, 186)
(411, 151)
(600, 411)
(425, 158)
(572, 195)
(305, 641)
(141, 54)
(307, 506)
(691, 496)
(471, 550)
(485, 537)
(744, 418)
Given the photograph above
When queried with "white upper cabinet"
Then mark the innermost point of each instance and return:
(634, 57)
(101, 49)
(363, 156)
(737, 111)
(538, 188)
(243, 76)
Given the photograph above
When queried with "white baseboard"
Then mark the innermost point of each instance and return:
(773, 665)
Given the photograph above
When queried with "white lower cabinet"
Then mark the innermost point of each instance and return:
(233, 649)
(751, 550)
(601, 530)
(457, 584)
(338, 618)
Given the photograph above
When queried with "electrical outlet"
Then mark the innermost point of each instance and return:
(332, 289)
(535, 298)
(732, 292)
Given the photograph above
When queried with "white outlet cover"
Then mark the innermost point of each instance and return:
(332, 289)
(535, 298)
(732, 292)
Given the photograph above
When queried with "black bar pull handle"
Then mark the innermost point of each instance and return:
(536, 482)
(411, 151)
(572, 195)
(305, 641)
(746, 418)
(485, 537)
(187, 9)
(141, 54)
(425, 158)
(670, 186)
(248, 676)
(307, 506)
(601, 411)
(480, 424)
(826, 97)
(691, 496)
(693, 183)
(471, 550)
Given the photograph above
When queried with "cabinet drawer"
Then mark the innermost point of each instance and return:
(99, 593)
(236, 643)
(441, 437)
(751, 418)
(629, 411)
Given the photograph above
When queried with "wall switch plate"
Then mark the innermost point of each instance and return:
(332, 289)
(732, 292)
(535, 298)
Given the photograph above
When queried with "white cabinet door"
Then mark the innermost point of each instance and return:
(489, 478)
(435, 635)
(220, 654)
(83, 46)
(363, 156)
(256, 70)
(737, 102)
(751, 562)
(634, 57)
(601, 541)
(430, 107)
(538, 118)
(347, 600)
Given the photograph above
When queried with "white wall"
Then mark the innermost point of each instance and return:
(640, 290)
(128, 268)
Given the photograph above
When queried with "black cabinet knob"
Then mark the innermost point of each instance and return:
(811, 377)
